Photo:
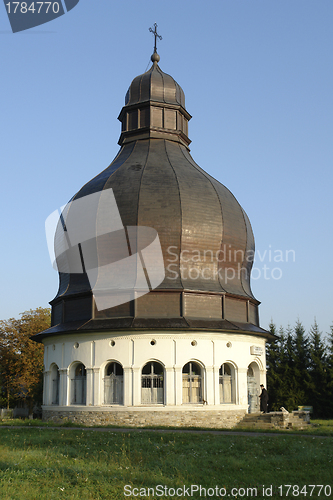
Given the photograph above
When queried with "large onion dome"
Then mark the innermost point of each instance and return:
(205, 235)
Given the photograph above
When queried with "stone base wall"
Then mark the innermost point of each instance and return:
(276, 420)
(147, 417)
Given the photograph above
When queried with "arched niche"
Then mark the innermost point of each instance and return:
(192, 383)
(78, 391)
(253, 378)
(55, 384)
(227, 383)
(113, 383)
(152, 383)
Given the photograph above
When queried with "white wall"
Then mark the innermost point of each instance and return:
(133, 350)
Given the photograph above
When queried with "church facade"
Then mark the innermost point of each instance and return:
(184, 349)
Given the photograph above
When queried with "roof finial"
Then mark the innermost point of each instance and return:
(155, 57)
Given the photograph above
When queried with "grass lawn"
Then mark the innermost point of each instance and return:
(79, 464)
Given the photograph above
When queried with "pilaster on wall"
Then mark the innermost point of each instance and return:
(178, 371)
(242, 386)
(93, 392)
(97, 394)
(90, 387)
(209, 391)
(170, 386)
(128, 386)
(47, 392)
(136, 385)
(263, 377)
(63, 387)
(216, 377)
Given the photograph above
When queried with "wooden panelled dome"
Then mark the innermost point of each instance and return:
(205, 235)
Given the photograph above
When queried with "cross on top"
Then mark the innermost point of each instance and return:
(154, 32)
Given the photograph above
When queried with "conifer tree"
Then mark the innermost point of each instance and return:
(280, 369)
(300, 369)
(329, 368)
(287, 391)
(301, 364)
(318, 373)
(272, 365)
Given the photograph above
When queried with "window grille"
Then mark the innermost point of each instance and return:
(79, 385)
(114, 384)
(152, 383)
(192, 383)
(226, 383)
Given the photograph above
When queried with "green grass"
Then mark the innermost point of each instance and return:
(316, 428)
(27, 422)
(323, 427)
(39, 464)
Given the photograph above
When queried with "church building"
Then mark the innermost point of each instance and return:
(182, 345)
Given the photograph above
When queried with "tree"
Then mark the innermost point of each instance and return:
(288, 358)
(21, 359)
(287, 371)
(301, 364)
(7, 370)
(318, 372)
(329, 365)
(273, 364)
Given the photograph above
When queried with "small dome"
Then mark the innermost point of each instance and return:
(154, 108)
(154, 85)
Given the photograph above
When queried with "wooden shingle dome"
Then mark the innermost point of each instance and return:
(205, 235)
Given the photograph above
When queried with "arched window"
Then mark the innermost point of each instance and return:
(252, 388)
(227, 383)
(152, 383)
(113, 384)
(79, 385)
(192, 383)
(55, 375)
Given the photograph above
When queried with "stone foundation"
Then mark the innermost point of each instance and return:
(146, 417)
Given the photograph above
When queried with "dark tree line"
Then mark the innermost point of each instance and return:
(300, 369)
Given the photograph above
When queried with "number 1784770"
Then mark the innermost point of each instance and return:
(34, 7)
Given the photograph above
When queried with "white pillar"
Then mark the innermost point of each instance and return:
(242, 386)
(90, 386)
(216, 376)
(209, 394)
(97, 393)
(127, 386)
(64, 387)
(169, 386)
(262, 377)
(178, 385)
(47, 392)
(136, 374)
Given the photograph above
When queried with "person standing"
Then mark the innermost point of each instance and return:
(263, 399)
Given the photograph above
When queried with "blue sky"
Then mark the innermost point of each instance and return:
(258, 79)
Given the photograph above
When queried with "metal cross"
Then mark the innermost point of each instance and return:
(154, 32)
